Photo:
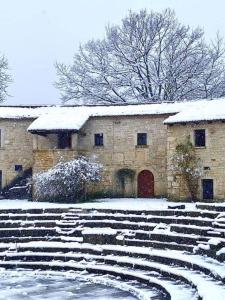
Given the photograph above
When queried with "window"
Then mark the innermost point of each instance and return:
(18, 168)
(200, 138)
(64, 140)
(98, 139)
(141, 139)
(1, 185)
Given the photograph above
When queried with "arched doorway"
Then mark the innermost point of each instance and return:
(145, 184)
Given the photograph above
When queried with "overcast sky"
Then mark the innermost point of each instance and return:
(37, 33)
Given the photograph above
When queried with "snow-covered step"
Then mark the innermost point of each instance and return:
(211, 207)
(30, 216)
(157, 212)
(205, 265)
(158, 270)
(27, 223)
(198, 230)
(158, 244)
(142, 218)
(171, 289)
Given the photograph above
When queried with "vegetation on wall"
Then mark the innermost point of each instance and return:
(122, 173)
(187, 165)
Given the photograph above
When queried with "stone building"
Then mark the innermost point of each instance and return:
(135, 144)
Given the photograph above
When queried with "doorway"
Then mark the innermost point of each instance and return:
(207, 189)
(145, 184)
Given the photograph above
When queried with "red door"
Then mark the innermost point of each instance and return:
(145, 184)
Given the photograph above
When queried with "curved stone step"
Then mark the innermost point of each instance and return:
(200, 221)
(172, 290)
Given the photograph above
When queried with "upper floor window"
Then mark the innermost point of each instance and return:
(98, 139)
(64, 140)
(1, 181)
(18, 168)
(141, 139)
(0, 138)
(199, 137)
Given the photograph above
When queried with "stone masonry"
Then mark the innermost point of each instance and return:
(120, 151)
(16, 147)
(212, 157)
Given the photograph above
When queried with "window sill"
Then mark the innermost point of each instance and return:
(200, 147)
(142, 146)
(98, 146)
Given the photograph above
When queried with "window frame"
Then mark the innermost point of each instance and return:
(142, 139)
(99, 139)
(2, 133)
(18, 168)
(61, 145)
(197, 138)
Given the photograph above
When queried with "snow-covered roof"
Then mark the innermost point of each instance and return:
(205, 110)
(20, 112)
(52, 118)
(73, 118)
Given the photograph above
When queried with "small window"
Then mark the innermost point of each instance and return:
(141, 139)
(98, 139)
(18, 168)
(200, 138)
(1, 185)
(64, 140)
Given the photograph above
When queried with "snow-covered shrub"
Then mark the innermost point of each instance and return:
(186, 165)
(67, 180)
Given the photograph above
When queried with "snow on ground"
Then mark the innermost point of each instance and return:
(21, 285)
(107, 203)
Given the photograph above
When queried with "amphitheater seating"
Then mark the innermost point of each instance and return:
(174, 253)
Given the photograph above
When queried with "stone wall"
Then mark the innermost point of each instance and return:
(212, 157)
(16, 147)
(45, 159)
(120, 150)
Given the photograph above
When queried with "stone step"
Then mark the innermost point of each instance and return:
(157, 244)
(26, 232)
(143, 218)
(161, 271)
(30, 217)
(34, 210)
(197, 230)
(164, 212)
(26, 224)
(211, 207)
(174, 258)
(115, 224)
(168, 288)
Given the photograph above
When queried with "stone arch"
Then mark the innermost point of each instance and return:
(125, 179)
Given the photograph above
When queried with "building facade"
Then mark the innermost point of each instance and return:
(134, 143)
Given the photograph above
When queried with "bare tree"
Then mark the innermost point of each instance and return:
(151, 57)
(5, 78)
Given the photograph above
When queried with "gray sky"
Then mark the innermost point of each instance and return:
(36, 33)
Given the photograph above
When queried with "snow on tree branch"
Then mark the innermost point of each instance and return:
(5, 78)
(151, 57)
(67, 180)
